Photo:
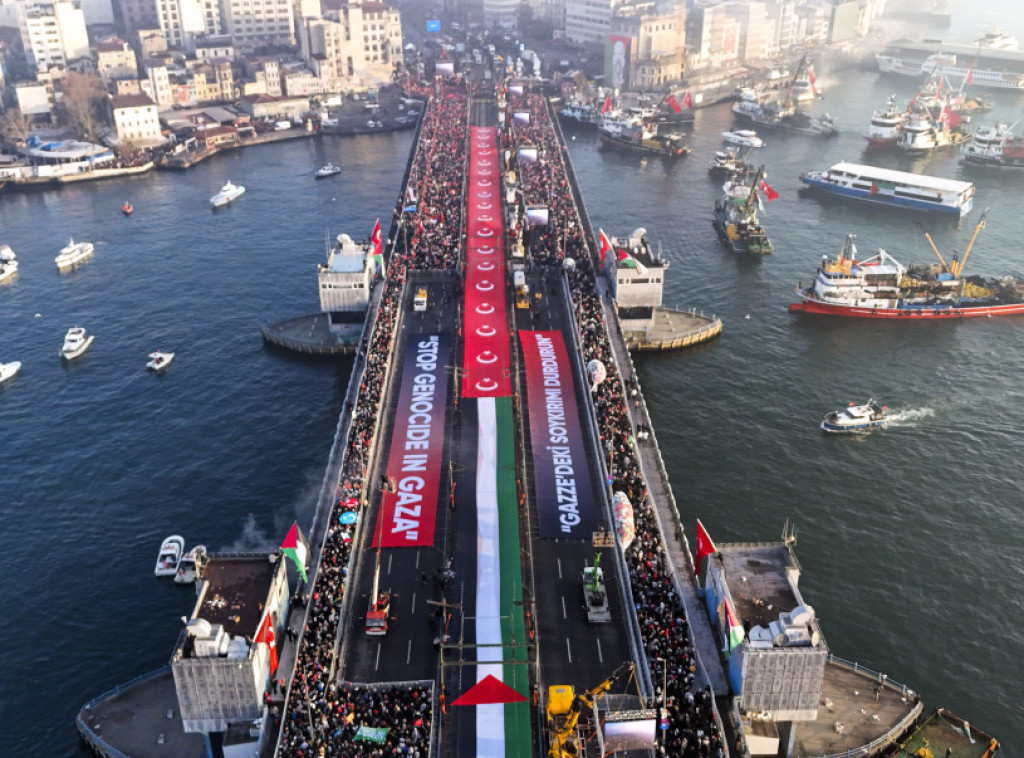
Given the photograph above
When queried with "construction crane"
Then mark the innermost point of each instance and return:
(565, 708)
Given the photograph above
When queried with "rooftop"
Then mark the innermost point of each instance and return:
(234, 592)
(759, 580)
(131, 101)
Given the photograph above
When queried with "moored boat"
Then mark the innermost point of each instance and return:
(159, 360)
(190, 565)
(943, 734)
(8, 370)
(76, 342)
(992, 68)
(646, 140)
(743, 138)
(996, 146)
(736, 218)
(169, 556)
(727, 163)
(922, 133)
(584, 114)
(778, 112)
(72, 254)
(8, 263)
(886, 125)
(227, 193)
(855, 419)
(894, 188)
(882, 287)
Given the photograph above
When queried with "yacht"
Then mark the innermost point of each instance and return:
(169, 556)
(190, 565)
(7, 370)
(886, 125)
(743, 138)
(72, 254)
(227, 193)
(328, 170)
(8, 263)
(159, 360)
(76, 342)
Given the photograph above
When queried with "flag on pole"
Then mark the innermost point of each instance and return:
(673, 103)
(812, 79)
(295, 547)
(772, 194)
(628, 261)
(760, 205)
(967, 731)
(705, 546)
(970, 77)
(607, 105)
(378, 247)
(265, 636)
(687, 100)
(736, 633)
(606, 245)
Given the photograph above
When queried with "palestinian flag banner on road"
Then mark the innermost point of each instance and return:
(295, 547)
(371, 733)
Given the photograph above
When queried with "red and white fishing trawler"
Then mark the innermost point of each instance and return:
(881, 287)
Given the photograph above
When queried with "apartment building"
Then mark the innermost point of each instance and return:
(588, 21)
(657, 42)
(501, 14)
(252, 23)
(115, 59)
(136, 119)
(53, 33)
(358, 46)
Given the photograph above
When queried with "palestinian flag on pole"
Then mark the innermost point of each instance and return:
(378, 248)
(295, 547)
(628, 261)
(736, 633)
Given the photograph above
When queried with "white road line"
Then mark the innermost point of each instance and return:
(565, 615)
(390, 558)
(413, 609)
(376, 663)
(408, 653)
(600, 653)
(568, 649)
(559, 568)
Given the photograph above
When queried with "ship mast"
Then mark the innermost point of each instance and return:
(981, 225)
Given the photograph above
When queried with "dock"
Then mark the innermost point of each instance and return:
(312, 336)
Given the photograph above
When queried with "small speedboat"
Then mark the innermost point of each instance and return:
(72, 254)
(227, 193)
(329, 170)
(76, 342)
(856, 419)
(127, 209)
(8, 263)
(159, 360)
(743, 138)
(169, 556)
(190, 565)
(8, 370)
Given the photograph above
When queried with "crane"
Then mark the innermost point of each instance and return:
(564, 714)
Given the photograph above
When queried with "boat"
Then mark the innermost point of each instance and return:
(922, 133)
(159, 360)
(736, 216)
(881, 287)
(581, 114)
(894, 188)
(127, 209)
(727, 163)
(8, 370)
(743, 138)
(227, 193)
(615, 123)
(995, 146)
(72, 254)
(980, 65)
(76, 342)
(942, 734)
(855, 419)
(190, 565)
(169, 556)
(886, 125)
(805, 85)
(327, 170)
(8, 263)
(644, 138)
(778, 111)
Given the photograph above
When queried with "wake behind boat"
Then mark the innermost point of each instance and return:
(169, 556)
(881, 287)
(72, 254)
(227, 193)
(856, 419)
(76, 342)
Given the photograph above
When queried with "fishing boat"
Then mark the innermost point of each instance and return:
(127, 209)
(72, 254)
(581, 114)
(736, 216)
(743, 138)
(169, 556)
(327, 170)
(159, 360)
(881, 287)
(644, 138)
(886, 125)
(995, 146)
(922, 133)
(726, 163)
(805, 84)
(894, 188)
(778, 111)
(942, 734)
(190, 565)
(8, 263)
(76, 342)
(8, 370)
(227, 193)
(855, 419)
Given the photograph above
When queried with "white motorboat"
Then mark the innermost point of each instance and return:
(169, 556)
(159, 360)
(76, 342)
(190, 565)
(329, 170)
(227, 193)
(856, 419)
(7, 370)
(743, 138)
(72, 254)
(8, 263)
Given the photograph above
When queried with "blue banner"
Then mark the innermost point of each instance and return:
(433, 25)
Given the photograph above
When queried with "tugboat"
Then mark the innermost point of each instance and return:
(856, 419)
(736, 216)
(644, 138)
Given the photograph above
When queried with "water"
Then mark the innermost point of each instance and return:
(909, 539)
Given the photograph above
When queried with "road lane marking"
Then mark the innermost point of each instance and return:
(376, 663)
(564, 614)
(559, 560)
(600, 653)
(408, 653)
(568, 649)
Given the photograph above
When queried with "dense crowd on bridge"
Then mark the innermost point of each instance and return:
(322, 718)
(692, 729)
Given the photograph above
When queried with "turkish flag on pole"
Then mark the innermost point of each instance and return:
(606, 245)
(673, 103)
(378, 246)
(705, 547)
(687, 100)
(772, 194)
(266, 637)
(607, 105)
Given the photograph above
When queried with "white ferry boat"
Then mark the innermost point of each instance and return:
(886, 125)
(227, 193)
(978, 65)
(72, 254)
(996, 146)
(894, 188)
(8, 263)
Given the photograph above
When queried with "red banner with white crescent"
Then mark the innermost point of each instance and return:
(487, 344)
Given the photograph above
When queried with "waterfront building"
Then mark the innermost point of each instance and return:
(270, 107)
(345, 282)
(157, 85)
(136, 120)
(265, 70)
(657, 45)
(53, 34)
(210, 47)
(34, 100)
(115, 59)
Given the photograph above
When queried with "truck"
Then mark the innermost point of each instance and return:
(377, 614)
(280, 126)
(522, 289)
(594, 594)
(419, 300)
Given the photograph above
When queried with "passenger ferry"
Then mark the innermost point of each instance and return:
(990, 67)
(996, 146)
(894, 188)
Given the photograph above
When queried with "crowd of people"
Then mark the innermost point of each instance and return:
(320, 717)
(692, 729)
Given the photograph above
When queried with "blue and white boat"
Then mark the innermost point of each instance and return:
(856, 419)
(894, 188)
